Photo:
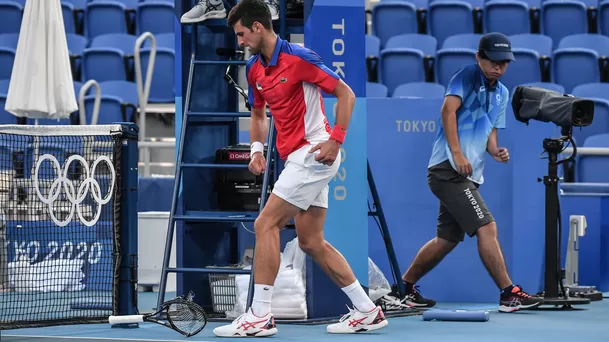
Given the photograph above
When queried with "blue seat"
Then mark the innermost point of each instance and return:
(457, 52)
(531, 52)
(593, 169)
(11, 13)
(375, 90)
(155, 17)
(603, 17)
(6, 118)
(507, 16)
(68, 14)
(392, 18)
(405, 58)
(118, 102)
(165, 40)
(162, 88)
(9, 40)
(109, 57)
(599, 93)
(582, 52)
(77, 4)
(76, 47)
(129, 4)
(105, 17)
(420, 90)
(373, 50)
(451, 17)
(561, 18)
(7, 57)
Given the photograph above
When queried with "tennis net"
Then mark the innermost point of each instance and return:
(60, 209)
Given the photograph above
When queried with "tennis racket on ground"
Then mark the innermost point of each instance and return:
(183, 315)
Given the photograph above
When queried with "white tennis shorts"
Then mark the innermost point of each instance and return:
(304, 181)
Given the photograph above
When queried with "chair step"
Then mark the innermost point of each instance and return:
(213, 166)
(217, 216)
(221, 270)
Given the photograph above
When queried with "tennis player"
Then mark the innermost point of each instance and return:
(290, 78)
(474, 108)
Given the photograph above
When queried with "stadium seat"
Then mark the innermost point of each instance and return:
(375, 90)
(76, 46)
(166, 40)
(118, 102)
(405, 59)
(162, 88)
(109, 58)
(373, 49)
(599, 93)
(420, 90)
(531, 52)
(590, 168)
(68, 14)
(105, 17)
(155, 16)
(509, 17)
(11, 13)
(581, 52)
(603, 17)
(7, 57)
(457, 52)
(561, 18)
(5, 117)
(392, 18)
(9, 40)
(451, 17)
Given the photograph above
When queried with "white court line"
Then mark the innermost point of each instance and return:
(101, 338)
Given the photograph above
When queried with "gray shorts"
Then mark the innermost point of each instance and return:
(462, 209)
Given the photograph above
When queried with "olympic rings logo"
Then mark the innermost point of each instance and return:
(75, 199)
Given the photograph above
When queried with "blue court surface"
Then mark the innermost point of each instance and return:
(588, 323)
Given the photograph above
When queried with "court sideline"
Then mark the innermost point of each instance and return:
(588, 323)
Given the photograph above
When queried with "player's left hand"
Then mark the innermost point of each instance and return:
(328, 151)
(502, 155)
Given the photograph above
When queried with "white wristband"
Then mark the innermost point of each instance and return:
(256, 146)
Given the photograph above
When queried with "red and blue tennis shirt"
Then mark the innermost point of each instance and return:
(291, 84)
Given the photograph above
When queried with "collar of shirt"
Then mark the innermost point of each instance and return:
(273, 62)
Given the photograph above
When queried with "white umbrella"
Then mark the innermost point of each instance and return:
(41, 85)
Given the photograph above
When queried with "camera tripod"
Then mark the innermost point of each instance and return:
(554, 292)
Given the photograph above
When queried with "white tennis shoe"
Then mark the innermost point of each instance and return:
(356, 321)
(248, 325)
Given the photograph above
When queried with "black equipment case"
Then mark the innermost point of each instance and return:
(237, 189)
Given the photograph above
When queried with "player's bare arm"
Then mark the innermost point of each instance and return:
(259, 130)
(500, 154)
(345, 101)
(449, 124)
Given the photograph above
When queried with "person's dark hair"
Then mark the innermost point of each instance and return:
(249, 11)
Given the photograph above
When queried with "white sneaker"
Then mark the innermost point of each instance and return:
(274, 8)
(204, 10)
(356, 321)
(248, 325)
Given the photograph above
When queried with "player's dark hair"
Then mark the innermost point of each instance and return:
(250, 11)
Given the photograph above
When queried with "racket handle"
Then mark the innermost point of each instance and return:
(128, 319)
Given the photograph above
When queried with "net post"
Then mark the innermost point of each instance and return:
(127, 289)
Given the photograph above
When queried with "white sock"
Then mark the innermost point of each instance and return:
(358, 297)
(261, 303)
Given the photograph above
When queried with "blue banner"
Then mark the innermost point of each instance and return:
(334, 30)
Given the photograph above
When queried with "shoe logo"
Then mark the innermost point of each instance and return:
(246, 325)
(355, 322)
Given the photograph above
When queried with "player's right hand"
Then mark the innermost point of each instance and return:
(257, 164)
(463, 166)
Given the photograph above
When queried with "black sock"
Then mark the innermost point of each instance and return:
(507, 290)
(408, 287)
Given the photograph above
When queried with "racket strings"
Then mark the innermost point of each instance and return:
(188, 319)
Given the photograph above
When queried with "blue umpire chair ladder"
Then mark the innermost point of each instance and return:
(237, 217)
